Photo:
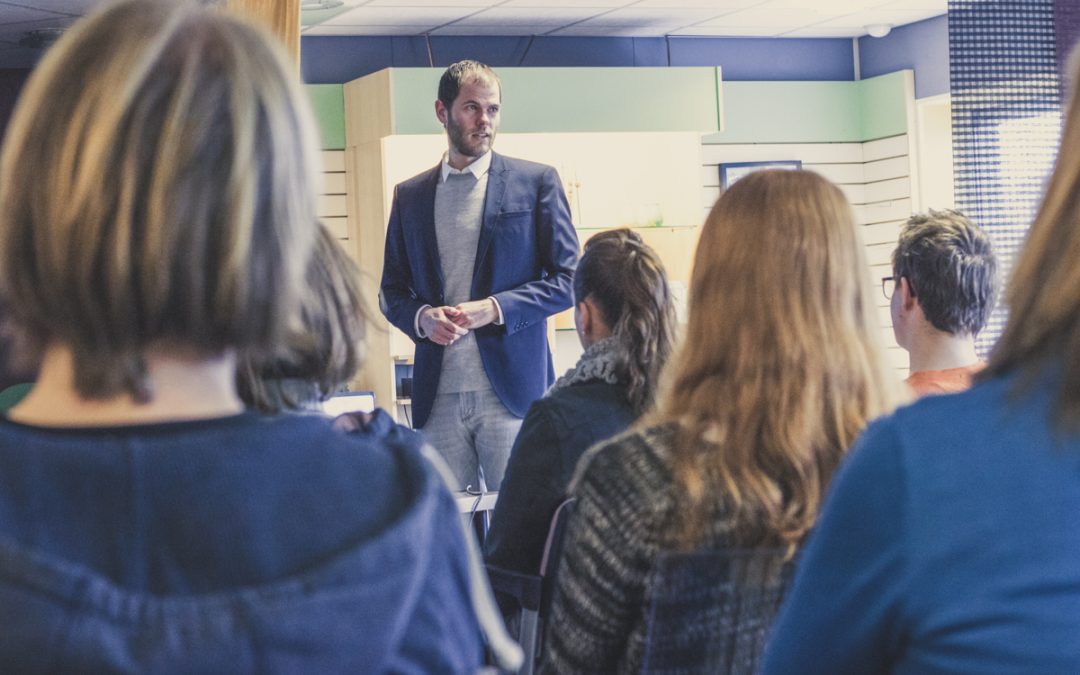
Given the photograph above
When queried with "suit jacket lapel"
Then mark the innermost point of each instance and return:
(492, 205)
(426, 219)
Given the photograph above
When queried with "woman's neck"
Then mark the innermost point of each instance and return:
(183, 387)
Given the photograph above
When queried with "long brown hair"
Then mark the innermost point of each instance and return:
(781, 366)
(1043, 294)
(625, 278)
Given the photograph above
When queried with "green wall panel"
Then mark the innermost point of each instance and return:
(814, 112)
(883, 104)
(328, 100)
(789, 112)
(574, 99)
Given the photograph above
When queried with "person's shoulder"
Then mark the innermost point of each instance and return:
(418, 180)
(524, 166)
(636, 459)
(586, 397)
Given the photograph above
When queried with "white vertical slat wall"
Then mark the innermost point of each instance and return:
(874, 175)
(333, 202)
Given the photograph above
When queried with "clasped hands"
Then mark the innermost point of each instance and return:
(445, 325)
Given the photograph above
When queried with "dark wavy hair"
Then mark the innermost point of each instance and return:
(624, 277)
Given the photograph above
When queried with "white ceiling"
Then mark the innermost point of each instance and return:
(772, 18)
(765, 18)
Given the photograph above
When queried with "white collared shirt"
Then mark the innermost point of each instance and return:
(478, 167)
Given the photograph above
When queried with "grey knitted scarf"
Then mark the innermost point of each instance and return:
(597, 363)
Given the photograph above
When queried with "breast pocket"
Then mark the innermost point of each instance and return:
(515, 244)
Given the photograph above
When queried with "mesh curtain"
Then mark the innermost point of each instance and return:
(1006, 119)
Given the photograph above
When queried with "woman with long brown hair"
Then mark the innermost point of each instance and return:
(950, 541)
(780, 369)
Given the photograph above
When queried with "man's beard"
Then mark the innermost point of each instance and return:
(459, 139)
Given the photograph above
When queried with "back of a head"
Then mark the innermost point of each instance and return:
(1043, 295)
(157, 189)
(781, 366)
(950, 265)
(324, 352)
(626, 280)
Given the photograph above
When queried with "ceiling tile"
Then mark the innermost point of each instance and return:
(894, 17)
(560, 16)
(824, 32)
(426, 4)
(718, 5)
(12, 14)
(76, 7)
(402, 16)
(607, 31)
(545, 4)
(786, 19)
(728, 31)
(487, 29)
(939, 6)
(324, 30)
(656, 16)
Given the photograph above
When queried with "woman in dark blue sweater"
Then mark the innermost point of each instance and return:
(950, 541)
(157, 195)
(625, 320)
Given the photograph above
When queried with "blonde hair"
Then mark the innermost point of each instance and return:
(157, 188)
(1043, 294)
(781, 366)
(324, 351)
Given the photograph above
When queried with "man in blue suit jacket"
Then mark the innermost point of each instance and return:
(480, 250)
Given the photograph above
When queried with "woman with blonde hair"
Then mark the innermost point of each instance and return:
(949, 543)
(157, 198)
(780, 369)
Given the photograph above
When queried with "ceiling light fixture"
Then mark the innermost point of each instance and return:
(878, 30)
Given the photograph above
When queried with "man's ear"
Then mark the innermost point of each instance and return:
(907, 295)
(440, 112)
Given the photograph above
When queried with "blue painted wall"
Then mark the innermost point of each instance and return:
(334, 60)
(922, 46)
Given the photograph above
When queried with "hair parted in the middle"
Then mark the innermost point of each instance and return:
(781, 366)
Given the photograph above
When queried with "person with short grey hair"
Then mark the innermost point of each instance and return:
(942, 291)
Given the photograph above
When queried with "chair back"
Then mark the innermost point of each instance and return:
(533, 593)
(710, 611)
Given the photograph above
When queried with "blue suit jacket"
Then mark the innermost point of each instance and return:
(525, 258)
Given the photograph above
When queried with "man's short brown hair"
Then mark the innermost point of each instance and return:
(950, 266)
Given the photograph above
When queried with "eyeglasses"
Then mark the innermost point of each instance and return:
(888, 286)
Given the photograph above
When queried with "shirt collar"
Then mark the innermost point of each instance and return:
(478, 168)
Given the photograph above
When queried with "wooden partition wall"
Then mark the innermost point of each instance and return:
(282, 17)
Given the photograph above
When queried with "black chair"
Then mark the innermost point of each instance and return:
(533, 593)
(710, 612)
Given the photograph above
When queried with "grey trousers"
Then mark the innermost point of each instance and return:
(474, 432)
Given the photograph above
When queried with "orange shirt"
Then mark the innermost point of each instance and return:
(947, 381)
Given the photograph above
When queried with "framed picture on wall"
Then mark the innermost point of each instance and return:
(733, 171)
